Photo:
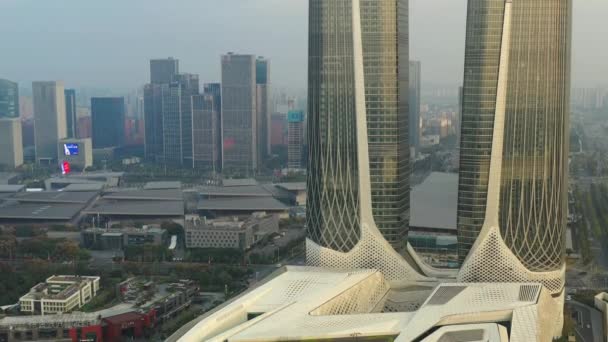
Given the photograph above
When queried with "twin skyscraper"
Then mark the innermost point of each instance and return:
(514, 148)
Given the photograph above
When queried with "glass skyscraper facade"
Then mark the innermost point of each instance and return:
(534, 95)
(239, 119)
(70, 112)
(9, 99)
(333, 194)
(108, 118)
(262, 75)
(163, 70)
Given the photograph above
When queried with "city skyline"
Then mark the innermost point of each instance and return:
(437, 41)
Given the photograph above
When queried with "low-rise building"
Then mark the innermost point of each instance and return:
(60, 294)
(229, 232)
(601, 303)
(119, 238)
(296, 192)
(77, 152)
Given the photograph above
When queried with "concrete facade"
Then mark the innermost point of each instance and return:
(83, 159)
(11, 146)
(49, 119)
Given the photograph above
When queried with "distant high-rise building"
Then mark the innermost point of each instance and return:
(11, 142)
(215, 90)
(295, 139)
(239, 121)
(11, 145)
(414, 103)
(9, 99)
(70, 112)
(49, 119)
(189, 85)
(176, 119)
(108, 121)
(153, 120)
(205, 133)
(163, 70)
(262, 107)
(171, 104)
(513, 188)
(278, 130)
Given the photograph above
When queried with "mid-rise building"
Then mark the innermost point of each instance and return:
(229, 233)
(239, 120)
(262, 66)
(119, 238)
(49, 119)
(205, 133)
(60, 294)
(295, 139)
(70, 112)
(163, 70)
(415, 76)
(77, 152)
(108, 121)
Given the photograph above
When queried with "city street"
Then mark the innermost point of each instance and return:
(588, 322)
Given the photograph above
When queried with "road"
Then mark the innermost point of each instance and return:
(588, 322)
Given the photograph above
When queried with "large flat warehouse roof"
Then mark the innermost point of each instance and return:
(244, 204)
(147, 195)
(56, 197)
(39, 211)
(136, 208)
(235, 191)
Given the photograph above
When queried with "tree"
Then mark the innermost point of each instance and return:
(66, 250)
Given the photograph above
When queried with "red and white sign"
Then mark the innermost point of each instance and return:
(65, 167)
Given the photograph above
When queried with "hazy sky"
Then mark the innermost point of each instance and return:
(107, 43)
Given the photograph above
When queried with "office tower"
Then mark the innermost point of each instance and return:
(49, 119)
(278, 131)
(163, 70)
(172, 152)
(333, 204)
(70, 111)
(176, 119)
(262, 67)
(239, 126)
(153, 120)
(514, 148)
(295, 139)
(189, 86)
(205, 148)
(414, 103)
(11, 146)
(9, 99)
(108, 121)
(215, 90)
